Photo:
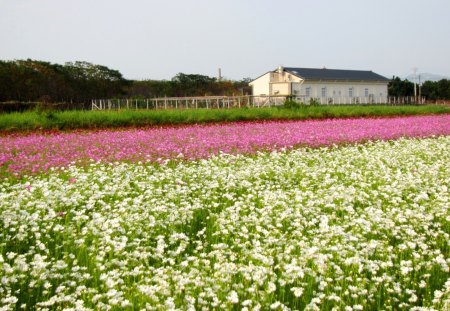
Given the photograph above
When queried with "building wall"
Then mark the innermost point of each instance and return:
(322, 89)
(274, 83)
(280, 88)
(261, 86)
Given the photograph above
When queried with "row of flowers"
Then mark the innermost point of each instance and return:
(34, 153)
(333, 228)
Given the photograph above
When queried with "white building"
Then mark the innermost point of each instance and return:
(332, 86)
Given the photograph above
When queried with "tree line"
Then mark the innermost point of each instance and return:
(429, 89)
(31, 80)
(79, 82)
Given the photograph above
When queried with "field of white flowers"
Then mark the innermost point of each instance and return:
(359, 227)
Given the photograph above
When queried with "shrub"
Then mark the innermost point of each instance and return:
(291, 103)
(314, 102)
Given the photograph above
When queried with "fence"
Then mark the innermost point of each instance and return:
(225, 102)
(206, 102)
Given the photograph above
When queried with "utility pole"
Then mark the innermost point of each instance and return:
(415, 80)
(420, 91)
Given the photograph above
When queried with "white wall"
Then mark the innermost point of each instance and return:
(281, 88)
(341, 89)
(261, 86)
(274, 83)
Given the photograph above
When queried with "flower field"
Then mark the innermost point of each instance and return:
(34, 153)
(334, 227)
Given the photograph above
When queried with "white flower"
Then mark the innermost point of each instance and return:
(298, 291)
(271, 287)
(233, 297)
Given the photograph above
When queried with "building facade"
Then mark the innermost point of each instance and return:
(324, 85)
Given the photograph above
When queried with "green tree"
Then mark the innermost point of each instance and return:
(400, 88)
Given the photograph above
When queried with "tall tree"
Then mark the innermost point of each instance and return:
(400, 88)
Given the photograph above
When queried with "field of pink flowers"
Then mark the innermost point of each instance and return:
(34, 153)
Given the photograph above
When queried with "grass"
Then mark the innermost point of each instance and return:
(68, 120)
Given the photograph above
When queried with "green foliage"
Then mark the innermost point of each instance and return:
(429, 89)
(291, 103)
(80, 82)
(31, 80)
(64, 120)
(187, 85)
(400, 88)
(314, 102)
(436, 90)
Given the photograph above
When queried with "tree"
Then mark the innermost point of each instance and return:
(400, 88)
(436, 90)
(192, 84)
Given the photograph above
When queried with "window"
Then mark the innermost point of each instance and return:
(350, 92)
(324, 92)
(366, 92)
(308, 92)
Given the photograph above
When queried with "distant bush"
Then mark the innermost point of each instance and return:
(314, 102)
(291, 103)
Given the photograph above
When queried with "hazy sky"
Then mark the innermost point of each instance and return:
(147, 39)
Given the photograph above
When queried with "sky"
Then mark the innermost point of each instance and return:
(156, 39)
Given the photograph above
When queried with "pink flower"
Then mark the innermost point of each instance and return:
(35, 153)
(72, 180)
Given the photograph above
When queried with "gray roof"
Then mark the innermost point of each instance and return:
(335, 74)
